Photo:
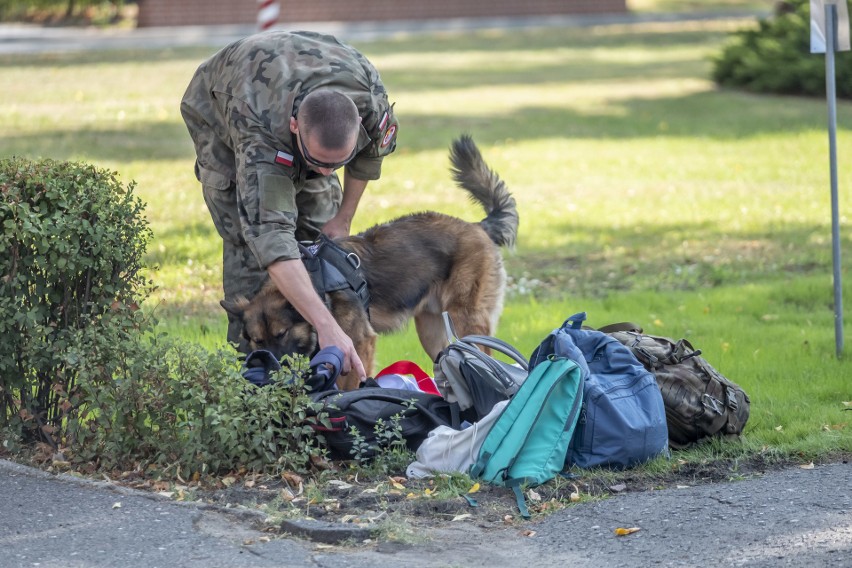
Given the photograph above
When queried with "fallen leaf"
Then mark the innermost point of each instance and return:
(291, 479)
(533, 496)
(399, 479)
(528, 533)
(229, 480)
(618, 488)
(462, 517)
(779, 428)
(575, 495)
(474, 489)
(623, 532)
(340, 484)
(847, 404)
(249, 484)
(807, 465)
(116, 505)
(397, 485)
(508, 519)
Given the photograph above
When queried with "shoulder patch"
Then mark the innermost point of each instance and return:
(389, 135)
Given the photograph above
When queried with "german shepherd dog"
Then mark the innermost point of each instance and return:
(418, 265)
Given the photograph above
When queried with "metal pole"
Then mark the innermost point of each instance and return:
(831, 94)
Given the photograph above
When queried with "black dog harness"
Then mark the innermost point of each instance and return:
(333, 268)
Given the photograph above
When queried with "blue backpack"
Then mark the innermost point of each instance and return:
(527, 443)
(623, 419)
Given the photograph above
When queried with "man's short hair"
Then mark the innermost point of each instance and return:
(329, 117)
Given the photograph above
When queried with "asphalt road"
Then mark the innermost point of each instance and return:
(796, 517)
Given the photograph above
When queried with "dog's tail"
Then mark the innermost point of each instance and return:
(486, 188)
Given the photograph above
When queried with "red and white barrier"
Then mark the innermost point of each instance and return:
(267, 14)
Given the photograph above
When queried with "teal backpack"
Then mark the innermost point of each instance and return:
(528, 442)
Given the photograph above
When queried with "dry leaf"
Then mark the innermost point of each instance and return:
(229, 480)
(462, 517)
(249, 484)
(528, 533)
(291, 479)
(533, 496)
(474, 489)
(623, 532)
(399, 479)
(807, 466)
(116, 505)
(340, 484)
(508, 519)
(779, 428)
(575, 495)
(397, 485)
(618, 488)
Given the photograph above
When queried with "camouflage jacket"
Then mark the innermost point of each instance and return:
(238, 107)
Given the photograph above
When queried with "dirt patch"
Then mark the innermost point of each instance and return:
(418, 505)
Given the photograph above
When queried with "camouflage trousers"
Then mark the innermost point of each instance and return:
(317, 202)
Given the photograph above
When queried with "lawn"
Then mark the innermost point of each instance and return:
(645, 193)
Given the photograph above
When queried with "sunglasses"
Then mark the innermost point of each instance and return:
(317, 163)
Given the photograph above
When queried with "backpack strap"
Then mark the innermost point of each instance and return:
(621, 326)
(515, 484)
(498, 345)
(322, 377)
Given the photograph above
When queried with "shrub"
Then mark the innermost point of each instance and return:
(775, 58)
(80, 366)
(72, 241)
(166, 403)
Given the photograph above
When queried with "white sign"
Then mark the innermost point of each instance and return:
(818, 34)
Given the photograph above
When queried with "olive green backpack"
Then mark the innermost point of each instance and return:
(700, 402)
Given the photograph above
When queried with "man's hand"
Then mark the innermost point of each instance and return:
(333, 335)
(337, 226)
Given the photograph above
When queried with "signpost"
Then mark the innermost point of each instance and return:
(830, 33)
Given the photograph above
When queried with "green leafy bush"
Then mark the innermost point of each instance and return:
(170, 404)
(80, 366)
(72, 241)
(775, 58)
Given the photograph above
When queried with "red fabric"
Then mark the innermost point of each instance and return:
(424, 381)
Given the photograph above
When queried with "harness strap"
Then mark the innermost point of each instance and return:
(333, 268)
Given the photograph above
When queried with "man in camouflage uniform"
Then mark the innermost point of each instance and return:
(272, 117)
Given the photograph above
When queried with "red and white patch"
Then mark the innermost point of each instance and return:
(383, 122)
(284, 158)
(389, 136)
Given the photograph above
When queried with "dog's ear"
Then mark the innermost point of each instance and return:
(236, 307)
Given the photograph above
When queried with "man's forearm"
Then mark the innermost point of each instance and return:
(294, 283)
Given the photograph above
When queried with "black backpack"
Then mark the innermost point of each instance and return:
(351, 418)
(700, 402)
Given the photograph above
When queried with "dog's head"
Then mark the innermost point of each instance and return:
(270, 322)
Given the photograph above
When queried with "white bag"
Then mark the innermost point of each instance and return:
(446, 450)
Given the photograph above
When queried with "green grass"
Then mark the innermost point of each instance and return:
(645, 193)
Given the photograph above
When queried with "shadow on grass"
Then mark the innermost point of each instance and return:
(713, 115)
(676, 256)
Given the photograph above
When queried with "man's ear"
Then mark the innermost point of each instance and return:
(294, 126)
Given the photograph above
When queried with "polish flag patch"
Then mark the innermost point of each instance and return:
(284, 158)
